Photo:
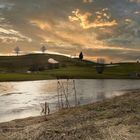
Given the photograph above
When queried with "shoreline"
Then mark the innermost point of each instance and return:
(99, 120)
(28, 80)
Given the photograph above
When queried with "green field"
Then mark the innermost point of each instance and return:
(14, 68)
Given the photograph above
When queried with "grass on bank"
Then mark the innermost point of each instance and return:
(14, 68)
(117, 72)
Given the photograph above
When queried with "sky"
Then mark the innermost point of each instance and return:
(108, 29)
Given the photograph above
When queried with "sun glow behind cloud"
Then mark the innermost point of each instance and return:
(41, 24)
(96, 27)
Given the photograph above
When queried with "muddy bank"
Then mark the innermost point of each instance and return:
(111, 119)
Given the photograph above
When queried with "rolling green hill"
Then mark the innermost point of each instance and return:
(14, 68)
(25, 62)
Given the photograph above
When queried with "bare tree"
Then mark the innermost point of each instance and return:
(100, 66)
(43, 49)
(17, 50)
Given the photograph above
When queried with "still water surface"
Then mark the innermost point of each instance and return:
(23, 99)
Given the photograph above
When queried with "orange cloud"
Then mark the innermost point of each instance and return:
(102, 19)
(87, 1)
(41, 24)
(127, 21)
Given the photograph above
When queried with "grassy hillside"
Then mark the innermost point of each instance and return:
(23, 63)
(13, 68)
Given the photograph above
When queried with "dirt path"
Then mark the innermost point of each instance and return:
(112, 119)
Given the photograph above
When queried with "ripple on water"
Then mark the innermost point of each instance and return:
(23, 99)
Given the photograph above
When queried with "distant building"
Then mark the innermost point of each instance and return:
(52, 63)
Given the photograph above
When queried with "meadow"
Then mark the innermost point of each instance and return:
(17, 68)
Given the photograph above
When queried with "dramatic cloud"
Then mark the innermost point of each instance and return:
(87, 20)
(99, 28)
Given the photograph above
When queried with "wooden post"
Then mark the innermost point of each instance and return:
(62, 105)
(45, 111)
(48, 109)
(75, 94)
(67, 87)
(58, 94)
(67, 102)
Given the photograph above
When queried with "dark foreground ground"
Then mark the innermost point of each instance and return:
(112, 119)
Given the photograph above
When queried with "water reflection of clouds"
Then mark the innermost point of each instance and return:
(100, 92)
(6, 87)
(23, 98)
(48, 87)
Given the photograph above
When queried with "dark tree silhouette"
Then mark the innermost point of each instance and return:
(81, 56)
(100, 65)
(43, 49)
(17, 50)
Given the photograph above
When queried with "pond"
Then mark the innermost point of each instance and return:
(23, 99)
